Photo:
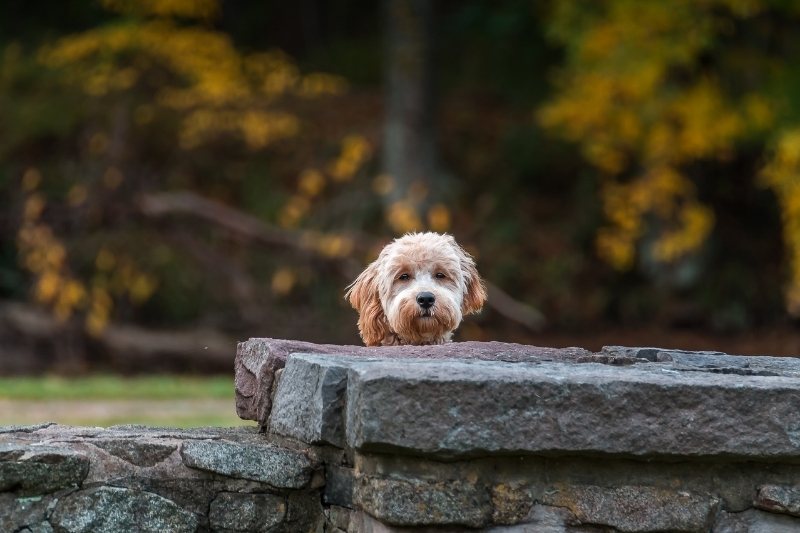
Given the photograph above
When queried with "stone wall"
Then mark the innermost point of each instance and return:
(468, 436)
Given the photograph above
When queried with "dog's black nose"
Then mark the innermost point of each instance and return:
(426, 299)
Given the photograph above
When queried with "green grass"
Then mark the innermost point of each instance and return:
(108, 387)
(104, 400)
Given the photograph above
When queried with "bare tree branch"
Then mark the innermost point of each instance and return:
(248, 227)
(519, 312)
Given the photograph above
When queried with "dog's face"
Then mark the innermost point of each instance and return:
(416, 292)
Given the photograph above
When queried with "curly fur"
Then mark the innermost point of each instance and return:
(385, 293)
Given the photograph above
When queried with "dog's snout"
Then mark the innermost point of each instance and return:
(426, 300)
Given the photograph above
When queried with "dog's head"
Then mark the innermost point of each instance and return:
(416, 291)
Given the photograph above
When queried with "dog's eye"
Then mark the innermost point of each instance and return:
(440, 275)
(404, 277)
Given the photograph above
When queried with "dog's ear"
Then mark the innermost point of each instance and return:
(475, 295)
(363, 296)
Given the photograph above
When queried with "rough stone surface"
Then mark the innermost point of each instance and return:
(753, 521)
(309, 402)
(506, 440)
(39, 470)
(28, 428)
(275, 466)
(136, 452)
(137, 480)
(20, 512)
(338, 486)
(246, 512)
(412, 502)
(479, 408)
(511, 503)
(110, 509)
(779, 499)
(546, 519)
(638, 508)
(257, 361)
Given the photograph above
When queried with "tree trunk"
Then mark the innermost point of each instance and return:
(409, 150)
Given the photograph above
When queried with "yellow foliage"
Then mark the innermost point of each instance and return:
(355, 151)
(141, 288)
(200, 9)
(31, 179)
(77, 194)
(311, 182)
(321, 84)
(47, 286)
(220, 90)
(45, 257)
(105, 260)
(332, 245)
(293, 211)
(782, 175)
(618, 98)
(34, 206)
(439, 218)
(283, 281)
(98, 143)
(694, 224)
(403, 217)
(113, 178)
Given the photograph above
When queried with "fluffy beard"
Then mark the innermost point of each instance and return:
(408, 321)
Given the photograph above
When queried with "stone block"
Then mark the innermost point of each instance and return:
(463, 408)
(135, 451)
(779, 499)
(637, 508)
(277, 467)
(754, 521)
(309, 402)
(41, 469)
(231, 511)
(17, 513)
(338, 486)
(111, 510)
(258, 360)
(415, 502)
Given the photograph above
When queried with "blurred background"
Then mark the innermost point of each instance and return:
(177, 175)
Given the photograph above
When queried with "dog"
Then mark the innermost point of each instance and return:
(416, 291)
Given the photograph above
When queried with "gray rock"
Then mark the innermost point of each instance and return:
(481, 408)
(41, 527)
(779, 499)
(275, 466)
(713, 362)
(232, 511)
(309, 401)
(31, 470)
(258, 360)
(543, 519)
(338, 486)
(110, 509)
(304, 511)
(637, 508)
(511, 503)
(653, 354)
(414, 502)
(338, 517)
(25, 428)
(136, 452)
(753, 521)
(17, 513)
